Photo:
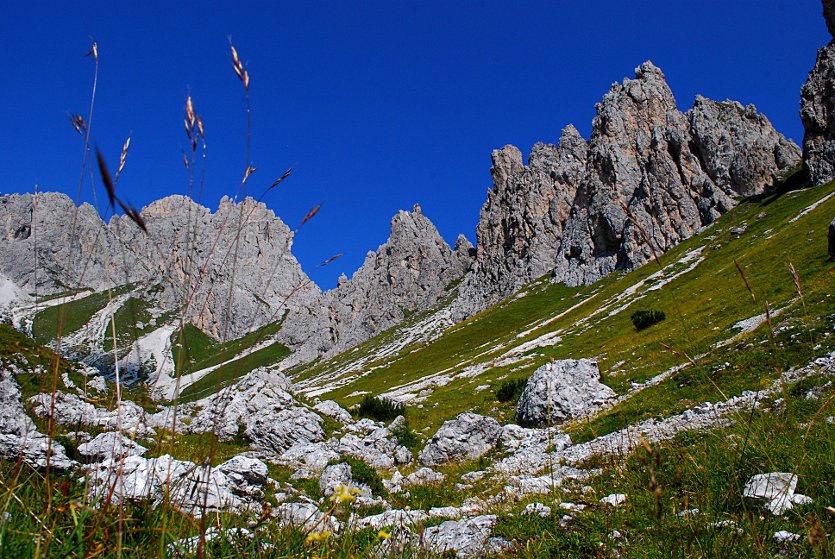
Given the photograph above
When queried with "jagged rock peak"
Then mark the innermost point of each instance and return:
(464, 251)
(409, 272)
(580, 209)
(506, 161)
(739, 148)
(817, 110)
(829, 15)
(521, 222)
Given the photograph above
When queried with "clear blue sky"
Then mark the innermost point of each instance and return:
(377, 104)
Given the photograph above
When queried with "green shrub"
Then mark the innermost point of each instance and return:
(645, 319)
(511, 389)
(363, 473)
(406, 437)
(380, 409)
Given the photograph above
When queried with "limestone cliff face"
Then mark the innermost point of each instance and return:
(521, 223)
(649, 177)
(817, 110)
(227, 272)
(48, 245)
(655, 176)
(185, 261)
(408, 273)
(196, 255)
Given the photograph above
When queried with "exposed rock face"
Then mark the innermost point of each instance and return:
(227, 272)
(464, 251)
(817, 111)
(48, 244)
(648, 178)
(235, 485)
(648, 184)
(408, 273)
(197, 255)
(829, 15)
(188, 259)
(561, 390)
(739, 148)
(466, 437)
(520, 228)
(18, 436)
(831, 239)
(775, 488)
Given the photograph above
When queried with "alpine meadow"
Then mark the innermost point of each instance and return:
(634, 357)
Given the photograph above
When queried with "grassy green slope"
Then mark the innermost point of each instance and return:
(702, 304)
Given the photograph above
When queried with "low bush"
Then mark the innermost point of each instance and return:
(645, 319)
(363, 473)
(381, 409)
(511, 389)
(406, 437)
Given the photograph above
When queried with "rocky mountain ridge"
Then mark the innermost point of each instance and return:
(648, 178)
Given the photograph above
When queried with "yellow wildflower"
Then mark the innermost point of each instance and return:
(383, 535)
(344, 494)
(318, 537)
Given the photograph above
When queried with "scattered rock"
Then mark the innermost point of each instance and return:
(775, 488)
(378, 449)
(561, 390)
(538, 509)
(425, 476)
(333, 410)
(334, 476)
(466, 437)
(110, 445)
(615, 499)
(97, 384)
(311, 457)
(280, 430)
(306, 516)
(392, 518)
(466, 538)
(471, 477)
(572, 507)
(831, 239)
(234, 486)
(18, 436)
(784, 536)
(688, 512)
(799, 499)
(247, 476)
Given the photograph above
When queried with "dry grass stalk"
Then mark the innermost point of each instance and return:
(745, 280)
(308, 216)
(242, 74)
(129, 209)
(77, 122)
(679, 353)
(329, 260)
(796, 279)
(122, 160)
